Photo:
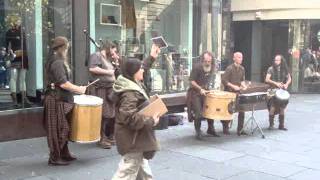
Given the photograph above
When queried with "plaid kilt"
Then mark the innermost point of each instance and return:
(108, 107)
(56, 123)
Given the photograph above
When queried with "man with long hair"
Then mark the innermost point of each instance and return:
(278, 76)
(102, 65)
(201, 81)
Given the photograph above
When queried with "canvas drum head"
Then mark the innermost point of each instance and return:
(87, 100)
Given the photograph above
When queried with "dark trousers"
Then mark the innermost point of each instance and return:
(197, 108)
(240, 122)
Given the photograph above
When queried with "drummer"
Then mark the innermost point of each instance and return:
(201, 79)
(234, 80)
(278, 76)
(58, 102)
(101, 66)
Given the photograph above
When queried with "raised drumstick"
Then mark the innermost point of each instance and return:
(93, 82)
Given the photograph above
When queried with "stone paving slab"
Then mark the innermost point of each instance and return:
(266, 166)
(306, 175)
(282, 155)
(252, 175)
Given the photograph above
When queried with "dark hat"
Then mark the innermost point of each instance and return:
(59, 42)
(131, 66)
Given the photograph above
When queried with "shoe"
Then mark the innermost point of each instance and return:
(111, 140)
(242, 133)
(212, 133)
(226, 131)
(199, 135)
(69, 158)
(58, 162)
(271, 128)
(283, 129)
(104, 144)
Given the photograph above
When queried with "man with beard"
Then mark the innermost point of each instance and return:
(233, 80)
(278, 76)
(201, 79)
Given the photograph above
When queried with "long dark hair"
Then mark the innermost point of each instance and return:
(283, 65)
(107, 46)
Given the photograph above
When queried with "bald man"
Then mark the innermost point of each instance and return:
(233, 80)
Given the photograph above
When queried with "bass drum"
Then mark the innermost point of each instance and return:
(86, 119)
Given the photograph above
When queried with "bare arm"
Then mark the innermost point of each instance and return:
(269, 81)
(98, 70)
(73, 88)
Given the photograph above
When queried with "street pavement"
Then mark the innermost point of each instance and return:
(291, 155)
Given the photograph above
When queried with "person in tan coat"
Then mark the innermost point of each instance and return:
(135, 138)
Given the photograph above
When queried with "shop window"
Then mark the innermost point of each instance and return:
(142, 20)
(26, 30)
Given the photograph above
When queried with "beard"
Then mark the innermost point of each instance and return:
(206, 68)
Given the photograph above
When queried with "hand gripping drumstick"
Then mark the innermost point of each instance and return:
(93, 82)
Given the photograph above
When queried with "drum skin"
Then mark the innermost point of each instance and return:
(86, 123)
(219, 105)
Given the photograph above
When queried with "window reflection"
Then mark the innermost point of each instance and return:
(26, 30)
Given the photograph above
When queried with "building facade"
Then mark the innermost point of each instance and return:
(188, 26)
(262, 29)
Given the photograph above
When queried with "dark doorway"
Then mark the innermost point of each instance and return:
(242, 42)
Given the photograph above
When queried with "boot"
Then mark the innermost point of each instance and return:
(104, 143)
(197, 126)
(14, 99)
(281, 123)
(240, 124)
(211, 130)
(271, 122)
(225, 125)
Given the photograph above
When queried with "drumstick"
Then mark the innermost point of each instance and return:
(93, 82)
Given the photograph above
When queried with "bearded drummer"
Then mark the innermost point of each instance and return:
(233, 80)
(201, 80)
(278, 76)
(58, 102)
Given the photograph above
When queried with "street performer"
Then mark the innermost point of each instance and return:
(233, 80)
(201, 79)
(58, 102)
(102, 66)
(278, 76)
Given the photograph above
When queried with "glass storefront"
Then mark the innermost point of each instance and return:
(26, 30)
(132, 24)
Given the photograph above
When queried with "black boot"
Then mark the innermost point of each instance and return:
(225, 125)
(211, 130)
(281, 123)
(240, 124)
(271, 122)
(197, 126)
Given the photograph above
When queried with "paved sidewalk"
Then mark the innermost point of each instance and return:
(292, 155)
